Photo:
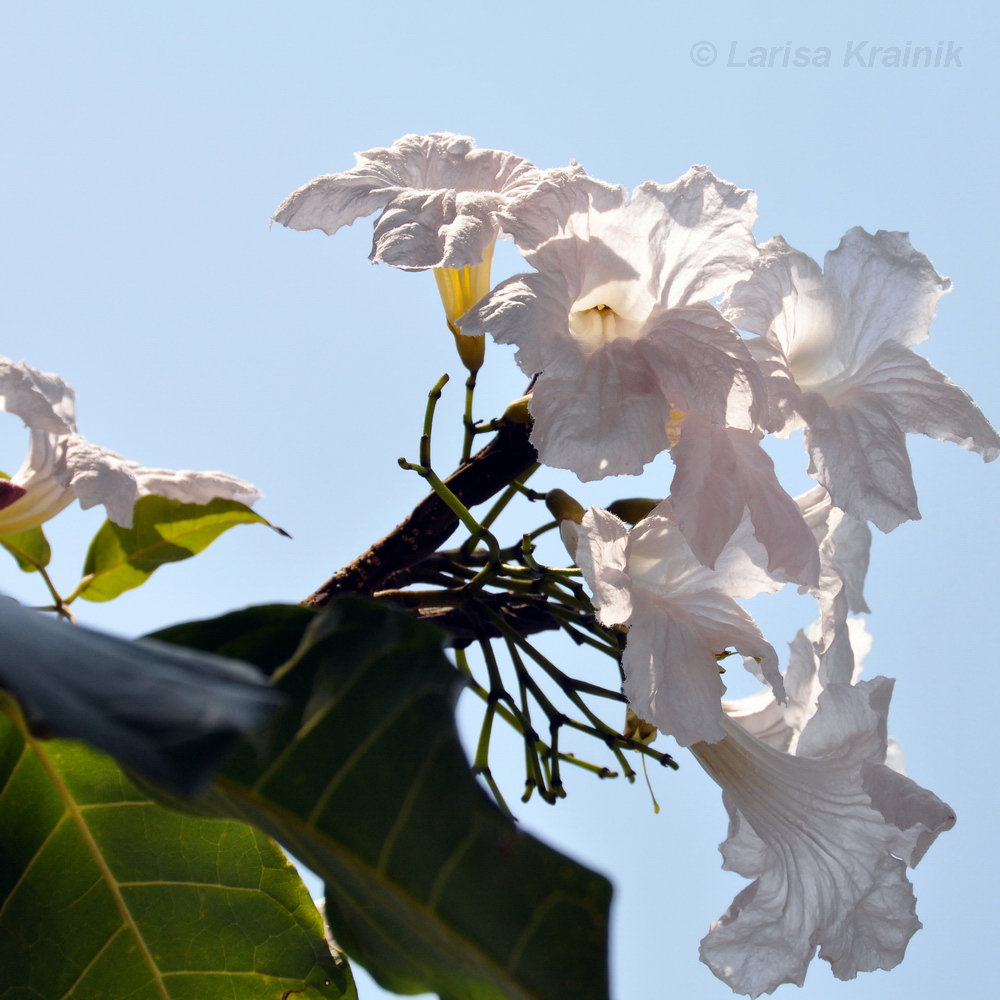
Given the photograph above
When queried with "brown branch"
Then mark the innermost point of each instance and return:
(493, 468)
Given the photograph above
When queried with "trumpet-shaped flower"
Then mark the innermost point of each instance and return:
(633, 357)
(617, 318)
(437, 195)
(681, 615)
(835, 347)
(61, 466)
(823, 820)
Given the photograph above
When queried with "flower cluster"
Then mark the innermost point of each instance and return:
(631, 327)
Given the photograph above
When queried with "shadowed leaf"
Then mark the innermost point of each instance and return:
(169, 713)
(364, 779)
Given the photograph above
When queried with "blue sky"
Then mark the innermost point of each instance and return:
(145, 148)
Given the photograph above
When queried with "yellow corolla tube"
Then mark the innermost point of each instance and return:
(461, 288)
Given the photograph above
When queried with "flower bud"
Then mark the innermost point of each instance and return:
(518, 412)
(461, 288)
(632, 509)
(563, 507)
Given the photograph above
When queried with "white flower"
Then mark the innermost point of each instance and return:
(61, 466)
(681, 615)
(633, 357)
(835, 347)
(824, 822)
(618, 319)
(436, 193)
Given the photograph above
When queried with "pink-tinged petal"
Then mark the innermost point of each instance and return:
(330, 202)
(720, 472)
(918, 815)
(845, 545)
(671, 676)
(857, 451)
(784, 397)
(701, 235)
(885, 290)
(828, 877)
(438, 193)
(722, 622)
(599, 416)
(42, 400)
(98, 476)
(787, 304)
(703, 365)
(924, 401)
(599, 545)
(561, 204)
(528, 310)
(661, 561)
(822, 829)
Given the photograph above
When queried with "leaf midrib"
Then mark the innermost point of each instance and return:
(307, 831)
(76, 816)
(162, 541)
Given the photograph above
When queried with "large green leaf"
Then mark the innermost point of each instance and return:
(162, 531)
(427, 883)
(105, 895)
(30, 548)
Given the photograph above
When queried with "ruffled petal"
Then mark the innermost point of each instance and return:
(661, 561)
(924, 401)
(98, 476)
(722, 472)
(599, 544)
(829, 876)
(438, 193)
(821, 827)
(528, 310)
(563, 203)
(599, 416)
(672, 678)
(703, 365)
(885, 290)
(42, 400)
(702, 237)
(787, 304)
(857, 451)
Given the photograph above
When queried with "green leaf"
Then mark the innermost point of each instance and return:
(30, 548)
(427, 884)
(163, 531)
(106, 895)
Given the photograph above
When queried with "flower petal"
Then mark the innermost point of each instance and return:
(98, 476)
(924, 401)
(599, 416)
(438, 192)
(857, 451)
(884, 288)
(600, 542)
(702, 240)
(42, 400)
(720, 473)
(671, 676)
(829, 877)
